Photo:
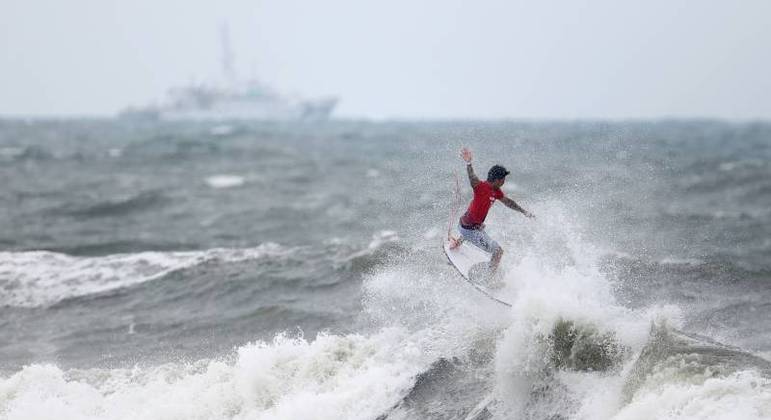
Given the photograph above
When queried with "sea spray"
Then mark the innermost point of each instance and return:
(330, 377)
(566, 329)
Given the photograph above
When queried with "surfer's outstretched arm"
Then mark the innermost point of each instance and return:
(514, 206)
(472, 177)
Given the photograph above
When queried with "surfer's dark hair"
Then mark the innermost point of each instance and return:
(497, 172)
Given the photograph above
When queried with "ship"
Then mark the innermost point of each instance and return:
(233, 100)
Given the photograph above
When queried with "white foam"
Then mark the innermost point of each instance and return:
(731, 165)
(351, 376)
(728, 166)
(38, 278)
(680, 261)
(222, 130)
(379, 239)
(383, 237)
(550, 273)
(225, 181)
(667, 395)
(542, 290)
(442, 306)
(557, 276)
(511, 187)
(431, 233)
(331, 377)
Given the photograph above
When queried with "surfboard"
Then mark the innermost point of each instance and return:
(469, 260)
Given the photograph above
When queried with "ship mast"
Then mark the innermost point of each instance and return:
(228, 58)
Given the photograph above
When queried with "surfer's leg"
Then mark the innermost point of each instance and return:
(496, 259)
(489, 245)
(467, 235)
(479, 238)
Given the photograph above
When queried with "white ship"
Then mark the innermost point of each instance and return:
(233, 100)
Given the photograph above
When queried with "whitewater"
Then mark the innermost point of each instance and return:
(297, 273)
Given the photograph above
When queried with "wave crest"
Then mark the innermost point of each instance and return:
(40, 278)
(331, 377)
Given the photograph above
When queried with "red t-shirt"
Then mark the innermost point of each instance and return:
(484, 197)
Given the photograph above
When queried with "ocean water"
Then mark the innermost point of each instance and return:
(194, 271)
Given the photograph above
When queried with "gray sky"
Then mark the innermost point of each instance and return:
(399, 58)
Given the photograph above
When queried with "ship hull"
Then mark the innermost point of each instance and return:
(246, 111)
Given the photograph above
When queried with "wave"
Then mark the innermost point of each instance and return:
(331, 377)
(41, 278)
(436, 349)
(377, 252)
(449, 383)
(676, 376)
(396, 374)
(119, 246)
(571, 350)
(687, 356)
(701, 216)
(117, 207)
(713, 270)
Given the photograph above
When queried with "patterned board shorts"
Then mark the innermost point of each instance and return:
(479, 238)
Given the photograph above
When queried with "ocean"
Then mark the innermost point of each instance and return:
(276, 271)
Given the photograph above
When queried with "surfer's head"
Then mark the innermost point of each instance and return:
(497, 175)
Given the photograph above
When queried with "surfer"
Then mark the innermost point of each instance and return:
(471, 226)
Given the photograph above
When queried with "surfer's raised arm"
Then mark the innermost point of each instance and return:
(466, 154)
(514, 206)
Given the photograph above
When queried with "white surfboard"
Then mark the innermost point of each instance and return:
(466, 258)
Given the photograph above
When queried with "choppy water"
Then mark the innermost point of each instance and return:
(180, 271)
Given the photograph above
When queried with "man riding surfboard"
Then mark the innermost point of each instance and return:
(471, 225)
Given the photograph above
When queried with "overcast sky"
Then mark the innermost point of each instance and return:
(399, 58)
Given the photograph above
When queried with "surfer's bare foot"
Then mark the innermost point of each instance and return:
(454, 243)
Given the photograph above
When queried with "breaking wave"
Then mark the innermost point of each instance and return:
(40, 278)
(435, 349)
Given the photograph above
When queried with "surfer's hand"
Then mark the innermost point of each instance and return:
(454, 243)
(466, 154)
(529, 215)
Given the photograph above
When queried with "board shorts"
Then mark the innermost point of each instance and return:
(480, 238)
